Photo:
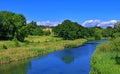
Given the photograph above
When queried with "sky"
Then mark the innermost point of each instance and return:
(52, 12)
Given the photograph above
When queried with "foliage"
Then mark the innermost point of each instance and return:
(98, 33)
(47, 33)
(117, 27)
(4, 46)
(116, 35)
(12, 25)
(69, 30)
(108, 32)
(34, 29)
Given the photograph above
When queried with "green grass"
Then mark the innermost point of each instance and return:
(106, 59)
(34, 46)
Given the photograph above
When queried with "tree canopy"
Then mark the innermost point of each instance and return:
(12, 25)
(69, 30)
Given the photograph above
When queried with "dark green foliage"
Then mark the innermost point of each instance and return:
(69, 30)
(108, 32)
(38, 31)
(34, 29)
(96, 32)
(97, 37)
(12, 25)
(31, 27)
(117, 27)
(117, 59)
(47, 33)
(116, 30)
(4, 46)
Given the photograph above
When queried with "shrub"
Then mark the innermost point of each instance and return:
(4, 46)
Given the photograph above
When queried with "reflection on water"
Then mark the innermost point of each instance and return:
(68, 61)
(15, 68)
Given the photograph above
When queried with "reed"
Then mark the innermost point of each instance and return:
(35, 46)
(106, 59)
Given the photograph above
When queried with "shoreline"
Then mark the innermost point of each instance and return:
(28, 52)
(105, 59)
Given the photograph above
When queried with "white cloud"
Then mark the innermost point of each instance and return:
(28, 21)
(91, 23)
(48, 23)
(88, 23)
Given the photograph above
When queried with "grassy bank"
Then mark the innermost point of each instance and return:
(106, 59)
(33, 46)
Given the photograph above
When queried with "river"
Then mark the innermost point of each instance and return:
(67, 61)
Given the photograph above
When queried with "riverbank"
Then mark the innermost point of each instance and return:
(11, 51)
(106, 59)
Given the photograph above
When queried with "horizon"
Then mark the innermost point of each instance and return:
(87, 13)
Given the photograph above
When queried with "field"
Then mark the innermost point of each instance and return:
(11, 51)
(106, 59)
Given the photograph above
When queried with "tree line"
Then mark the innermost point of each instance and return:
(69, 30)
(14, 25)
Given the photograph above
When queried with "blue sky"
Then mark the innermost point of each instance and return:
(82, 11)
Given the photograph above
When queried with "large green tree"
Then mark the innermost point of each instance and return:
(35, 29)
(12, 25)
(69, 30)
(108, 32)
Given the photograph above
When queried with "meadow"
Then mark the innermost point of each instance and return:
(33, 46)
(106, 59)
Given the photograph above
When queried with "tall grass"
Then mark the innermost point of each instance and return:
(106, 59)
(36, 46)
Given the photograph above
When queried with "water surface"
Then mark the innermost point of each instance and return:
(68, 61)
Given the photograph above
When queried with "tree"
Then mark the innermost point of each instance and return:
(69, 30)
(12, 25)
(95, 32)
(35, 29)
(108, 32)
(47, 33)
(98, 33)
(6, 29)
(117, 27)
(38, 31)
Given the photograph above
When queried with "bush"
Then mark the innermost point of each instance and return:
(4, 46)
